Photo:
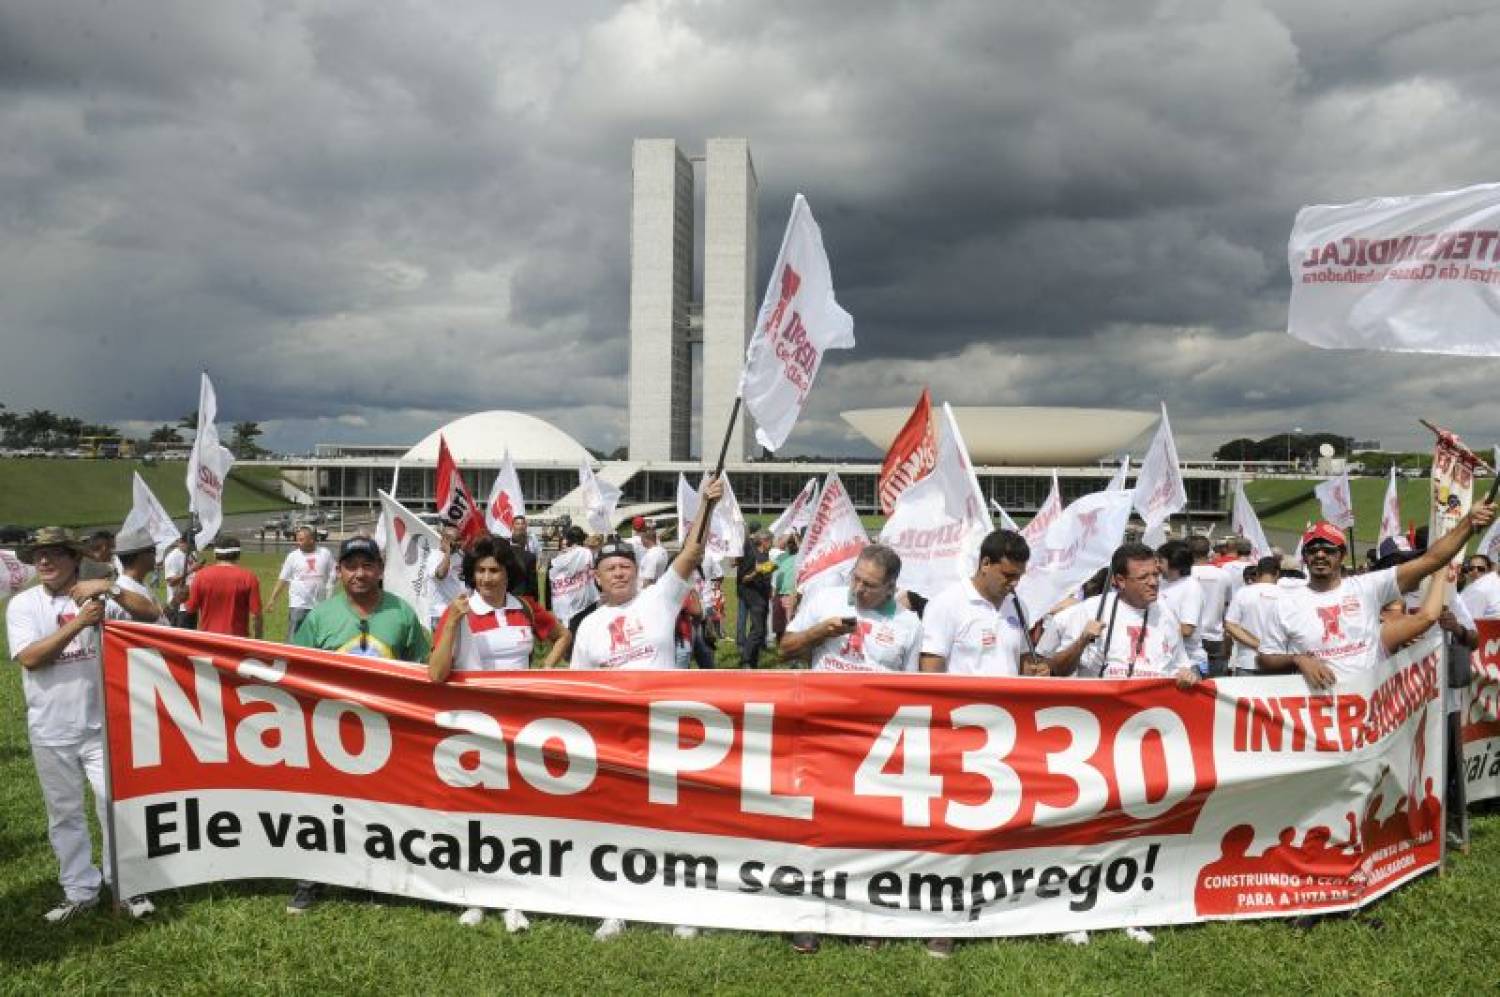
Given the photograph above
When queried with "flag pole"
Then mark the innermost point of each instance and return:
(705, 512)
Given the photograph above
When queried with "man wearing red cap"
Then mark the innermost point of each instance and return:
(1330, 628)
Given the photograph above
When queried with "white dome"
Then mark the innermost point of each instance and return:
(1021, 435)
(483, 438)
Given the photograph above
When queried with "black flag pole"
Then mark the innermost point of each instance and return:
(706, 508)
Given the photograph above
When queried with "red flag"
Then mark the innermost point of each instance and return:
(912, 455)
(456, 507)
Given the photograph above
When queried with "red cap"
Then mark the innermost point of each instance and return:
(1326, 532)
(638, 523)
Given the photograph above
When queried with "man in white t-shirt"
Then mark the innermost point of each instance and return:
(1214, 581)
(53, 630)
(570, 576)
(1481, 590)
(1183, 595)
(1251, 613)
(858, 628)
(637, 630)
(444, 567)
(135, 550)
(306, 575)
(976, 627)
(1124, 633)
(177, 569)
(652, 557)
(1330, 629)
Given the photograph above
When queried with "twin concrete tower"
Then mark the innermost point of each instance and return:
(664, 321)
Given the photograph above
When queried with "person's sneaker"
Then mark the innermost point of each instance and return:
(1140, 935)
(684, 931)
(471, 917)
(940, 948)
(610, 927)
(139, 907)
(1076, 938)
(69, 909)
(515, 922)
(805, 942)
(304, 898)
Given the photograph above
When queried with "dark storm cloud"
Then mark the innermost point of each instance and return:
(364, 219)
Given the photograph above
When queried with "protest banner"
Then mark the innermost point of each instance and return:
(834, 539)
(1390, 513)
(1046, 515)
(506, 501)
(1246, 523)
(1481, 717)
(1335, 501)
(797, 515)
(912, 454)
(600, 499)
(1159, 491)
(1415, 274)
(147, 513)
(14, 575)
(726, 531)
(1079, 542)
(406, 543)
(208, 468)
(914, 806)
(455, 506)
(1452, 490)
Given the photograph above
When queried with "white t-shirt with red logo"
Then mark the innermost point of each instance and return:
(887, 639)
(570, 576)
(971, 635)
(490, 639)
(1139, 644)
(1254, 609)
(309, 577)
(639, 635)
(1341, 626)
(64, 701)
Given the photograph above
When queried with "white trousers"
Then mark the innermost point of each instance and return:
(62, 771)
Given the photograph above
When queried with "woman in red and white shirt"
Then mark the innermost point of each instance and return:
(489, 629)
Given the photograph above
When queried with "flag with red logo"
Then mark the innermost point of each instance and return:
(1336, 502)
(1390, 512)
(726, 528)
(1453, 467)
(506, 501)
(834, 539)
(455, 506)
(799, 321)
(941, 520)
(1045, 516)
(147, 513)
(912, 455)
(208, 468)
(407, 542)
(799, 513)
(1080, 541)
(14, 575)
(1246, 523)
(1159, 491)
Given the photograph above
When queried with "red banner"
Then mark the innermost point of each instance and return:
(912, 455)
(456, 507)
(877, 804)
(1481, 717)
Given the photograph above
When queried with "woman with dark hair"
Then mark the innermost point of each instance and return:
(489, 629)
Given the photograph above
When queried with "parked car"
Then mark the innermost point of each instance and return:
(14, 534)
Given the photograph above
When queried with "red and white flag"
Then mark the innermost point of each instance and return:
(1390, 512)
(1045, 516)
(912, 454)
(834, 539)
(506, 501)
(455, 506)
(1336, 502)
(208, 468)
(1412, 274)
(147, 513)
(799, 321)
(14, 575)
(941, 520)
(1079, 542)
(600, 498)
(1453, 467)
(1159, 491)
(799, 513)
(1246, 523)
(726, 528)
(407, 543)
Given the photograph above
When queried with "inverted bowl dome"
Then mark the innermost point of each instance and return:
(1022, 435)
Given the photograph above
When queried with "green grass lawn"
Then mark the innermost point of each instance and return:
(1368, 494)
(97, 492)
(1437, 936)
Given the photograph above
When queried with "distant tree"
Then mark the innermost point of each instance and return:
(619, 453)
(164, 436)
(37, 426)
(243, 444)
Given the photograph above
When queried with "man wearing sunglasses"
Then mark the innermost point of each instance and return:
(1480, 588)
(1330, 629)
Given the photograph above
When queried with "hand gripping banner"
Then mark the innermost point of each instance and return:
(870, 805)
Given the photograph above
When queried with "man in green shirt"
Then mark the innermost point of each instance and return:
(784, 586)
(363, 619)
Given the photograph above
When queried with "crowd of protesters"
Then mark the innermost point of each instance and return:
(1181, 612)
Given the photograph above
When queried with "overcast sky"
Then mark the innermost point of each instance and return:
(365, 219)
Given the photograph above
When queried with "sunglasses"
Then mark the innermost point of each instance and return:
(1475, 567)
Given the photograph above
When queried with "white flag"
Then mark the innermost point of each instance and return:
(1244, 522)
(1117, 483)
(834, 539)
(506, 501)
(1006, 523)
(1045, 516)
(799, 513)
(1414, 274)
(1159, 491)
(146, 513)
(938, 546)
(208, 468)
(1080, 542)
(1335, 501)
(799, 320)
(381, 524)
(726, 529)
(1390, 511)
(599, 500)
(14, 575)
(407, 543)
